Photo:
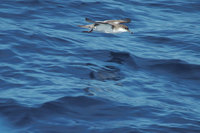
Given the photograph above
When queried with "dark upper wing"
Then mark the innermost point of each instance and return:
(89, 20)
(126, 20)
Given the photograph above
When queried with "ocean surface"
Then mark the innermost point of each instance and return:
(56, 79)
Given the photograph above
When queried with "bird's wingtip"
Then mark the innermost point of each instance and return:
(128, 20)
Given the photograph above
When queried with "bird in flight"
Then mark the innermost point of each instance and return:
(107, 26)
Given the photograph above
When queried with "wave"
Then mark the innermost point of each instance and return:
(84, 112)
(174, 67)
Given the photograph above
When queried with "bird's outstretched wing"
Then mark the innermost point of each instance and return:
(126, 20)
(89, 20)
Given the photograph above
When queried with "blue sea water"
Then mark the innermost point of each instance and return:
(56, 79)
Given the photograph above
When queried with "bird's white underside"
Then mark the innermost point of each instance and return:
(107, 28)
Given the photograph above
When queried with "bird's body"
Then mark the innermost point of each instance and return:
(107, 26)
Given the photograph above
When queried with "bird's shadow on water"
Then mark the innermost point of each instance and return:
(124, 60)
